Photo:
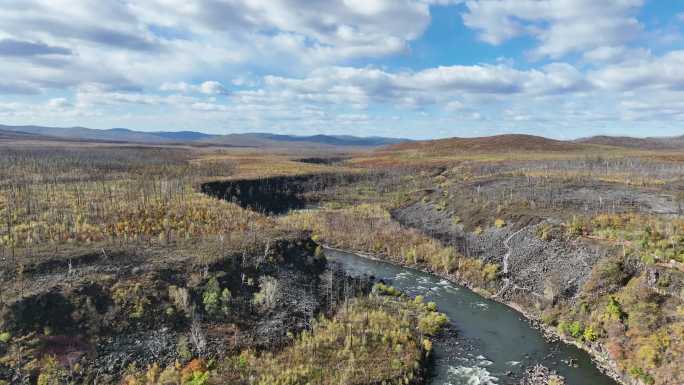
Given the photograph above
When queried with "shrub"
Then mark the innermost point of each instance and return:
(183, 348)
(180, 297)
(590, 334)
(382, 289)
(649, 355)
(431, 323)
(431, 306)
(199, 378)
(642, 375)
(499, 223)
(215, 300)
(543, 232)
(51, 372)
(132, 298)
(427, 345)
(573, 329)
(614, 310)
(267, 295)
(5, 337)
(448, 259)
(576, 227)
(411, 256)
(489, 272)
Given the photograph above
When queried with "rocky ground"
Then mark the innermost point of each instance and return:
(581, 195)
(548, 269)
(541, 375)
(107, 312)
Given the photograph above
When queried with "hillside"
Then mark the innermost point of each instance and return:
(83, 133)
(638, 143)
(497, 143)
(274, 140)
(18, 135)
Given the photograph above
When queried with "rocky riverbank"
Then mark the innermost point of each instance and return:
(541, 375)
(604, 363)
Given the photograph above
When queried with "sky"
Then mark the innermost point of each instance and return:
(401, 68)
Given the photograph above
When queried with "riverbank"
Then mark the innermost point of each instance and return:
(550, 333)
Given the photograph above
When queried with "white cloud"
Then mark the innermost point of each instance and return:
(203, 106)
(18, 88)
(209, 87)
(443, 2)
(429, 86)
(59, 103)
(176, 87)
(212, 87)
(666, 72)
(606, 54)
(560, 26)
(454, 105)
(64, 43)
(321, 30)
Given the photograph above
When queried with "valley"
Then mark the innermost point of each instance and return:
(174, 264)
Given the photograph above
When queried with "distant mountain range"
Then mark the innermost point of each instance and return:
(496, 143)
(124, 135)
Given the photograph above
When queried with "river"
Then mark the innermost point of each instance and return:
(494, 343)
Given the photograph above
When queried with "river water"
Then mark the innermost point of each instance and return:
(494, 343)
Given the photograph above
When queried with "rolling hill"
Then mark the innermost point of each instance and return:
(496, 143)
(488, 144)
(18, 135)
(652, 143)
(274, 140)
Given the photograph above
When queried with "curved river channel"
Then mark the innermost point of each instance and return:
(494, 343)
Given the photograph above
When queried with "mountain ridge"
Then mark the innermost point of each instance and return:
(502, 142)
(198, 138)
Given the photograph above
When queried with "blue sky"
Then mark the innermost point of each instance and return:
(403, 68)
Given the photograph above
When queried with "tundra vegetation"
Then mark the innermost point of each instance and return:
(117, 269)
(593, 246)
